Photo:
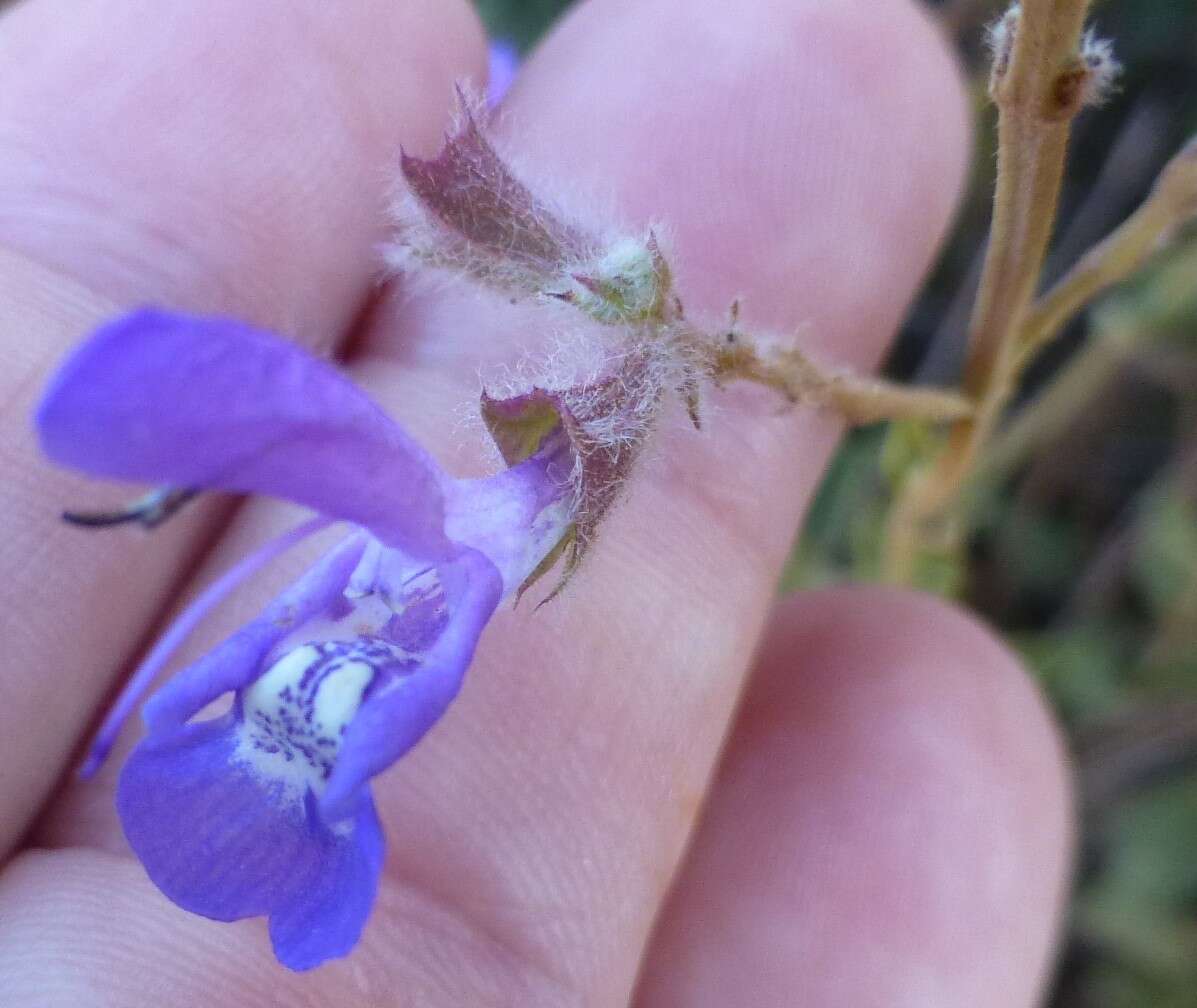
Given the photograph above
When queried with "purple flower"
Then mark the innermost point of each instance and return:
(266, 809)
(504, 60)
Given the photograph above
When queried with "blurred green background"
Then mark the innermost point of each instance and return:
(1085, 551)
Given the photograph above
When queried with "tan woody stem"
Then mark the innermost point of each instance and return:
(859, 400)
(1173, 200)
(1055, 407)
(1039, 84)
(1115, 337)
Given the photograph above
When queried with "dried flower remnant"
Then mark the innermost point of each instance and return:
(999, 39)
(266, 809)
(605, 422)
(466, 211)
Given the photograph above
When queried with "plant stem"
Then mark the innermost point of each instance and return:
(1173, 199)
(858, 399)
(1050, 412)
(1038, 86)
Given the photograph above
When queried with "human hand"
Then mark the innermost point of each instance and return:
(887, 823)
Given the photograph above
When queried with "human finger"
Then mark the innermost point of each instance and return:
(889, 823)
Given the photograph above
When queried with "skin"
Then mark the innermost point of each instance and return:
(667, 788)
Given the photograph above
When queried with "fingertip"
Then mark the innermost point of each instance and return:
(229, 158)
(908, 652)
(890, 820)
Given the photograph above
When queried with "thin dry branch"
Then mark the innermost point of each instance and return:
(1172, 202)
(858, 399)
(1039, 84)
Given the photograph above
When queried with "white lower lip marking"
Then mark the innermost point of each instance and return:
(295, 715)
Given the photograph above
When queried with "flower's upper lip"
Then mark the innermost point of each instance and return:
(213, 403)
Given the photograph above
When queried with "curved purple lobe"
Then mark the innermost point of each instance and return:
(393, 719)
(212, 403)
(177, 632)
(226, 838)
(217, 843)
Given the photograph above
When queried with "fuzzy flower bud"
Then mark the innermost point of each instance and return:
(467, 212)
(628, 282)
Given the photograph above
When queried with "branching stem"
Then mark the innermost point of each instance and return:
(1054, 407)
(1039, 85)
(1172, 201)
(858, 399)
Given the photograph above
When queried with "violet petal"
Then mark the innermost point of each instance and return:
(504, 61)
(213, 403)
(179, 630)
(219, 844)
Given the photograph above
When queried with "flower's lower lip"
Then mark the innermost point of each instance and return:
(269, 803)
